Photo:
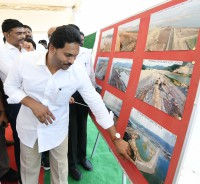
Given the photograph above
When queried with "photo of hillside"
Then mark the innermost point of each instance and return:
(175, 28)
(101, 67)
(127, 36)
(120, 73)
(106, 41)
(164, 84)
(151, 146)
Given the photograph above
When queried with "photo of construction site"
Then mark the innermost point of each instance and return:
(106, 41)
(127, 36)
(120, 73)
(112, 103)
(151, 146)
(101, 67)
(175, 28)
(164, 85)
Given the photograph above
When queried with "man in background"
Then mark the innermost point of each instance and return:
(14, 34)
(78, 119)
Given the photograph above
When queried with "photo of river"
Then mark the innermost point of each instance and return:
(175, 28)
(151, 146)
(120, 73)
(164, 84)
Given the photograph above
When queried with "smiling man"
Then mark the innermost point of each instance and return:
(14, 35)
(44, 83)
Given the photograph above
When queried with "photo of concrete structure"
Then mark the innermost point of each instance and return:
(127, 36)
(175, 28)
(113, 103)
(120, 73)
(101, 67)
(164, 84)
(106, 41)
(151, 146)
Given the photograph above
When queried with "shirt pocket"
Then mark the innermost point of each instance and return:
(62, 96)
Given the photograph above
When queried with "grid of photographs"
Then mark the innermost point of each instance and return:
(161, 82)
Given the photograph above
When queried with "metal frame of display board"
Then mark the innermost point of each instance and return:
(124, 177)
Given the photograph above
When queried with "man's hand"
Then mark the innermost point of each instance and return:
(123, 149)
(71, 100)
(41, 111)
(3, 119)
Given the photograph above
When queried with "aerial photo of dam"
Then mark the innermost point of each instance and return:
(127, 36)
(175, 28)
(151, 146)
(164, 84)
(120, 73)
(101, 67)
(106, 41)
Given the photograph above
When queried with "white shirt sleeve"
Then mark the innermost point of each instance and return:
(12, 85)
(95, 103)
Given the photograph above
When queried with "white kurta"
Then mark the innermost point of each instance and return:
(31, 77)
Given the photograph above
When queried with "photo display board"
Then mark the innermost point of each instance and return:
(147, 72)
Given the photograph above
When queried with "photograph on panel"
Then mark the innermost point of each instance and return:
(120, 73)
(113, 104)
(101, 67)
(106, 41)
(151, 146)
(175, 28)
(98, 88)
(164, 84)
(127, 36)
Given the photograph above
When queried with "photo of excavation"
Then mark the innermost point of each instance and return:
(164, 85)
(127, 36)
(101, 67)
(120, 73)
(175, 28)
(151, 146)
(113, 103)
(106, 41)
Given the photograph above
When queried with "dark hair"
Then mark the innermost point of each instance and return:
(30, 41)
(9, 24)
(82, 33)
(65, 34)
(75, 26)
(26, 26)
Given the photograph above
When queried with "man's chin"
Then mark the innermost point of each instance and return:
(66, 67)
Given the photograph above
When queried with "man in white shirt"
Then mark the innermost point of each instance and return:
(44, 83)
(14, 35)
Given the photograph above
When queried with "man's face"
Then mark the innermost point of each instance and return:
(15, 36)
(28, 33)
(63, 58)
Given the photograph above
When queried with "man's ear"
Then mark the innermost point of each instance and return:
(6, 34)
(52, 49)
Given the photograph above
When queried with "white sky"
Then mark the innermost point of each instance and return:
(94, 15)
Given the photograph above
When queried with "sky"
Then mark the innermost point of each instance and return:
(94, 15)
